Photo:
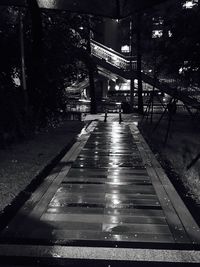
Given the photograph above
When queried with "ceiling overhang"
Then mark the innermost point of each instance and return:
(105, 8)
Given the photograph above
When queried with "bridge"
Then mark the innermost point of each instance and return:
(126, 67)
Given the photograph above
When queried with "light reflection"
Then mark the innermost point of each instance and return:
(55, 202)
(115, 211)
(80, 199)
(115, 161)
(117, 238)
(115, 136)
(59, 189)
(115, 180)
(116, 201)
(54, 210)
(113, 219)
(115, 172)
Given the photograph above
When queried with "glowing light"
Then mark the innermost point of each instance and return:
(125, 49)
(17, 81)
(169, 33)
(157, 34)
(116, 87)
(180, 70)
(190, 4)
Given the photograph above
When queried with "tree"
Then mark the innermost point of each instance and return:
(176, 48)
(57, 45)
(54, 44)
(11, 95)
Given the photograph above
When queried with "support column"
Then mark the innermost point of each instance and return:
(139, 65)
(105, 88)
(132, 87)
(93, 105)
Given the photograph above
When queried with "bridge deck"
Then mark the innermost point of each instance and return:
(108, 189)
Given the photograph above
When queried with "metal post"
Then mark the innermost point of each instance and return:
(131, 65)
(106, 115)
(120, 115)
(139, 65)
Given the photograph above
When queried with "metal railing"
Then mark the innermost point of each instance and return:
(107, 110)
(112, 57)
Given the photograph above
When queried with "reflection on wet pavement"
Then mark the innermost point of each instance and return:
(107, 194)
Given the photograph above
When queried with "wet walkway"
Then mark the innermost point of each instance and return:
(108, 190)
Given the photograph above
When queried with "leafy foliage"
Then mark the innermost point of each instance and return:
(55, 60)
(177, 51)
(54, 46)
(11, 97)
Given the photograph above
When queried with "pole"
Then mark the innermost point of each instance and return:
(120, 115)
(23, 67)
(131, 65)
(139, 65)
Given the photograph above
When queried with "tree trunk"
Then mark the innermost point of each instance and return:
(37, 79)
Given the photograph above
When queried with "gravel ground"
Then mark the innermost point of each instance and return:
(182, 147)
(20, 163)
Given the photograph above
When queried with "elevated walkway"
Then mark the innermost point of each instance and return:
(107, 200)
(126, 67)
(113, 61)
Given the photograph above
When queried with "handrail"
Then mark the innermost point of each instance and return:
(112, 57)
(113, 51)
(119, 112)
